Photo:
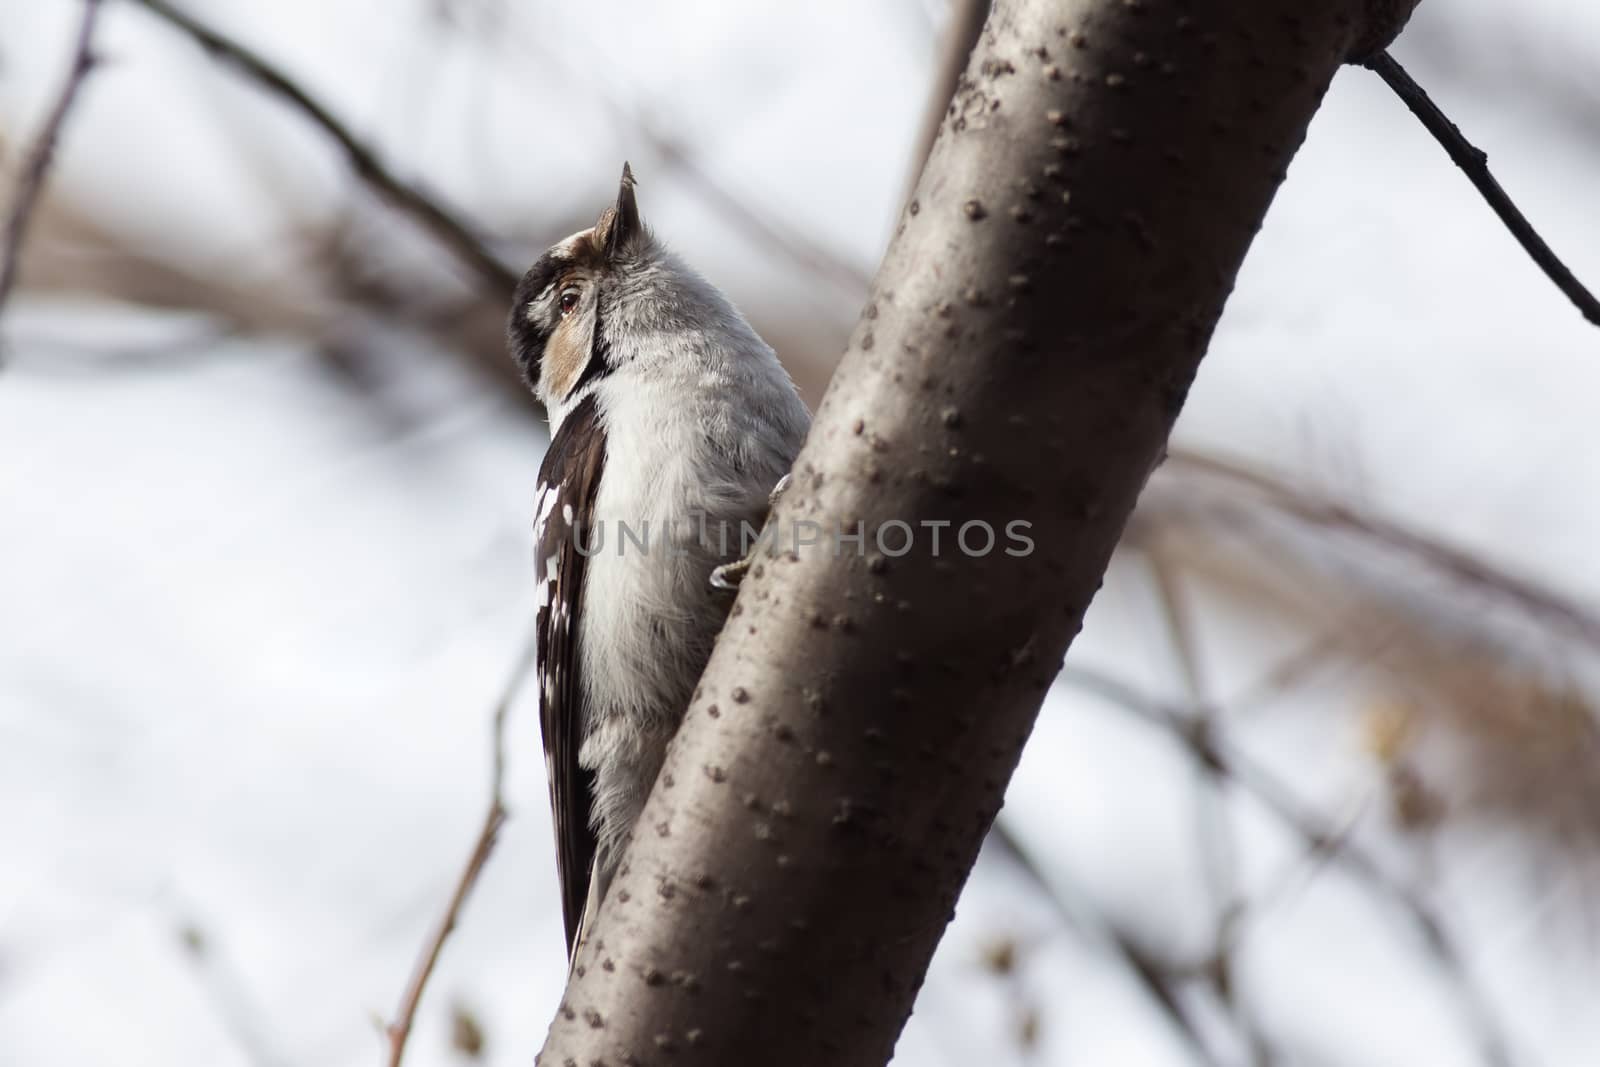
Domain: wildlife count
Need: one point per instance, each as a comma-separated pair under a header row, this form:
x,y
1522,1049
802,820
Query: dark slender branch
x,y
1475,164
31,181
399,1030
442,223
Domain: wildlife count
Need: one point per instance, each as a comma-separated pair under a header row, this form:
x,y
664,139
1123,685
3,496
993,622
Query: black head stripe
x,y
542,275
526,336
599,364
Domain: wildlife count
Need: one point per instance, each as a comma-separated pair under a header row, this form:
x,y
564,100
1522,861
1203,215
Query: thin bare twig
x,y
1570,616
1475,164
443,224
1209,748
1159,984
1216,831
399,1030
31,182
668,148
792,245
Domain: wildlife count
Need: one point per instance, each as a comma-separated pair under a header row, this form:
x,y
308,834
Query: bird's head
x,y
557,324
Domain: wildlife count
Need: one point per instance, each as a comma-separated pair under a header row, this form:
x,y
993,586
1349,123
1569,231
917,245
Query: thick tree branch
x,y
30,183
1474,163
443,224
1030,337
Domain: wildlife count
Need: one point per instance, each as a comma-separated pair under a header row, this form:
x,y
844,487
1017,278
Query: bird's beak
x,y
620,225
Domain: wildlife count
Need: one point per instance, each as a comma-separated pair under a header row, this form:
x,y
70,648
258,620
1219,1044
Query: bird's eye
x,y
569,300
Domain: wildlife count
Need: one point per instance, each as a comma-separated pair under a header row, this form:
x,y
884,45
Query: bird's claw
x,y
730,576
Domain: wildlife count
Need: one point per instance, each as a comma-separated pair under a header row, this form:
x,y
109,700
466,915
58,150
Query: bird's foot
x,y
729,576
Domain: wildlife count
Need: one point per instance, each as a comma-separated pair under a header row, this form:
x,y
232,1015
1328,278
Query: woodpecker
x,y
670,418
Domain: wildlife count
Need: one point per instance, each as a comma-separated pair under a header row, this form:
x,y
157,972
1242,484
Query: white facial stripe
x,y
568,245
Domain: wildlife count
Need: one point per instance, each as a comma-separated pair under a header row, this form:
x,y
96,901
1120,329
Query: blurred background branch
x,y
28,186
962,28
398,1031
424,208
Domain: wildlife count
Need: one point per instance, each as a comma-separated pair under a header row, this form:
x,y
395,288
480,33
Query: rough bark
x,y
1030,338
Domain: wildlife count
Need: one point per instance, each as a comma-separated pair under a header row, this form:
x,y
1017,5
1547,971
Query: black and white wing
x,y
569,478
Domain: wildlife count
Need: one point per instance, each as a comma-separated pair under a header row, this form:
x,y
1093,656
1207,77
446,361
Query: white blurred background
x,y
1320,785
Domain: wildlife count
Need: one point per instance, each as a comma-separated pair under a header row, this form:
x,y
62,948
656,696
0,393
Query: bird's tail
x,y
591,909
